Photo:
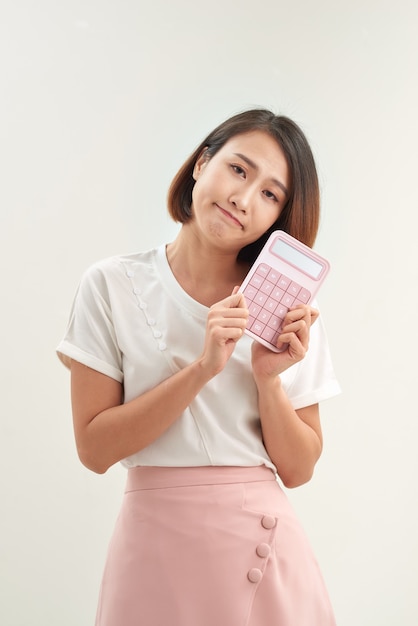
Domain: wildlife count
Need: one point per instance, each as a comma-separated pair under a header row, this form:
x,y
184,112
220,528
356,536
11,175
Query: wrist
x,y
201,371
272,381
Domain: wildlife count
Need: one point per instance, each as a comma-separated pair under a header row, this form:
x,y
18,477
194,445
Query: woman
x,y
207,422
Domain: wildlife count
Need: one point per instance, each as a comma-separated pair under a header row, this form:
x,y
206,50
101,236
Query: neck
x,y
205,272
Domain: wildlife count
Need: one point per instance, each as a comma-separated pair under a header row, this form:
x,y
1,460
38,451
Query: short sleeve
x,y
314,378
90,337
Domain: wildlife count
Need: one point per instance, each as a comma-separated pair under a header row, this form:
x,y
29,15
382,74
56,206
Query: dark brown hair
x,y
300,215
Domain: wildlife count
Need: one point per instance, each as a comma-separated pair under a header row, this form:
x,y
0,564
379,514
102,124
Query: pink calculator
x,y
285,273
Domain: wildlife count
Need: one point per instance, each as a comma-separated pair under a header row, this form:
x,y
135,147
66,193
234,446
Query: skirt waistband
x,y
163,477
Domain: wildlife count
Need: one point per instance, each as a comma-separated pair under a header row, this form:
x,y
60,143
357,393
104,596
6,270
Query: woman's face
x,y
240,192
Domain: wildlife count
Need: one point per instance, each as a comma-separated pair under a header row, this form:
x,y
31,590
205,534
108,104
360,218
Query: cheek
x,y
196,195
199,193
270,215
204,188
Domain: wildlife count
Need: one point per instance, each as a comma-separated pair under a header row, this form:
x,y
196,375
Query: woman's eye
x,y
271,195
238,170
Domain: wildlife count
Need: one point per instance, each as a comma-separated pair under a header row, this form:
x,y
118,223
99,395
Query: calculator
x,y
286,273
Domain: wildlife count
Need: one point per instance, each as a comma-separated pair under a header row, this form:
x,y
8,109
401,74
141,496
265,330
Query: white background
x,y
101,102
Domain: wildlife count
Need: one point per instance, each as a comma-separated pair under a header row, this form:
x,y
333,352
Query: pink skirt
x,y
210,546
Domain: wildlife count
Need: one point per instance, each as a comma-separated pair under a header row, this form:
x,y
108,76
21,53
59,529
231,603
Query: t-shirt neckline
x,y
174,287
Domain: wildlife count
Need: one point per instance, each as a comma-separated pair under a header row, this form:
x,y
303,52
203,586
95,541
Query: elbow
x,y
298,472
92,452
295,479
296,475
91,461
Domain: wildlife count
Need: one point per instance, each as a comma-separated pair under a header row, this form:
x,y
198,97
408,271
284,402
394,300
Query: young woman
x,y
206,421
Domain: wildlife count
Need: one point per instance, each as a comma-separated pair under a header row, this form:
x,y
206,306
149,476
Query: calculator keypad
x,y
269,295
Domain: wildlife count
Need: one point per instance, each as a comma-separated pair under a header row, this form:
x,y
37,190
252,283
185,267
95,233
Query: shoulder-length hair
x,y
300,216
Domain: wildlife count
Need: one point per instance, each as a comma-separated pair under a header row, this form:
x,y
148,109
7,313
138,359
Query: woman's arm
x,y
293,438
107,431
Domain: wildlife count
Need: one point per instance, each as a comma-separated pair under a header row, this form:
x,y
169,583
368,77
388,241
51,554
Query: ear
x,y
200,164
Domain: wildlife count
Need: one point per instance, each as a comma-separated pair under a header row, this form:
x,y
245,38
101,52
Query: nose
x,y
242,200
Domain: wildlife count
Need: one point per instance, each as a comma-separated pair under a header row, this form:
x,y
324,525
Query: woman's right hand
x,y
225,325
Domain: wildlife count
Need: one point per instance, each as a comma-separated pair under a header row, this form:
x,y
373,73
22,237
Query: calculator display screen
x,y
296,258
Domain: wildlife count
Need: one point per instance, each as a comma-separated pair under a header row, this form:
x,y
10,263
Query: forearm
x,y
107,430
120,430
293,439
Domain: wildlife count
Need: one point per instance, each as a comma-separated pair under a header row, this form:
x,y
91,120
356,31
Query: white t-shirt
x,y
132,321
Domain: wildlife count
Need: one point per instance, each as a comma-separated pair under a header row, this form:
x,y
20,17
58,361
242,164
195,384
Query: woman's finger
x,y
302,311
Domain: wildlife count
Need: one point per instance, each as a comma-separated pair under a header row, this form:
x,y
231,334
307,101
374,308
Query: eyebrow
x,y
254,166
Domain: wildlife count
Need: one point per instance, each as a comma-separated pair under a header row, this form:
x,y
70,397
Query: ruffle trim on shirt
x,y
157,333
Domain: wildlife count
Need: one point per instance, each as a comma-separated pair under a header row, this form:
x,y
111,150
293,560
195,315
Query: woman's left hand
x,y
294,339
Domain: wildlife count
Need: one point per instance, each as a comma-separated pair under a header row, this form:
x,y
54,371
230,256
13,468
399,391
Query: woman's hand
x,y
294,339
225,325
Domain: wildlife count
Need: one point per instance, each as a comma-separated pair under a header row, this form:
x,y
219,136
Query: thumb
x,y
239,301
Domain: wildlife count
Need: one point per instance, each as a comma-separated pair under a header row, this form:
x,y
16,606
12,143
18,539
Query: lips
x,y
230,216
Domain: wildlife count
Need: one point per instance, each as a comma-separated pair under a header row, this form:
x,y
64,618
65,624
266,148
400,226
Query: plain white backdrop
x,y
101,102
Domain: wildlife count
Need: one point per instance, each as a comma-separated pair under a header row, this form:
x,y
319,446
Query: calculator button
x,y
268,334
277,293
264,316
273,276
267,287
284,282
254,309
257,327
294,289
304,295
288,300
275,322
270,304
281,311
263,270
256,280
250,292
260,298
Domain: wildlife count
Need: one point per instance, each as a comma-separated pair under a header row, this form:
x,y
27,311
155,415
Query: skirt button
x,y
263,550
268,522
255,575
